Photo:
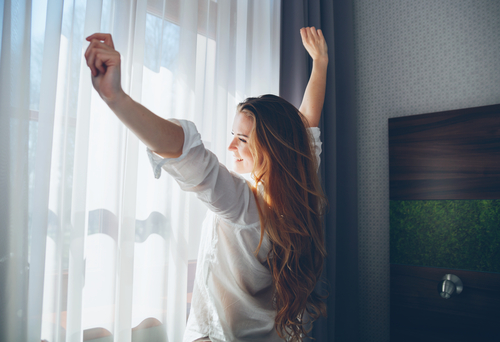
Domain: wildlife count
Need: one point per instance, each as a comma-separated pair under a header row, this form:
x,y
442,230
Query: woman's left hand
x,y
315,43
314,96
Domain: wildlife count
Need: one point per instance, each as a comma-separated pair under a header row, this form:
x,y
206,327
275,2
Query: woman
x,y
262,247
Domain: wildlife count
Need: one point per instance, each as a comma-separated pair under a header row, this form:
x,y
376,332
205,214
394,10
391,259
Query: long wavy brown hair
x,y
290,208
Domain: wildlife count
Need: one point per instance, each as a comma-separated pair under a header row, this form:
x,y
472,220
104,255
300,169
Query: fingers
x,y
91,54
99,56
100,63
89,57
314,42
104,37
311,34
303,33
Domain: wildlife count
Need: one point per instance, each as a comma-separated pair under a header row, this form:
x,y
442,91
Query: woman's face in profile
x,y
239,146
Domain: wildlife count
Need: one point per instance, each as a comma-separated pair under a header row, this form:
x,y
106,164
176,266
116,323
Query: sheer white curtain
x,y
92,245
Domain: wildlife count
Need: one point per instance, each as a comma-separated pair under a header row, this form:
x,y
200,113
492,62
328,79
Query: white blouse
x,y
232,295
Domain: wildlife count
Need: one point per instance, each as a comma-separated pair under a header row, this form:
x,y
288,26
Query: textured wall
x,y
411,57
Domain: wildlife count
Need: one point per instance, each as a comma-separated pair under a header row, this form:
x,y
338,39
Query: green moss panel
x,y
459,234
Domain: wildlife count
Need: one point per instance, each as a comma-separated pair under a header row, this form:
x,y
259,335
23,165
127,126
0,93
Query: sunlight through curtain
x,y
108,250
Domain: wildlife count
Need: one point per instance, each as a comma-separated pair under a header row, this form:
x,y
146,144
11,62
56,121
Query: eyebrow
x,y
239,134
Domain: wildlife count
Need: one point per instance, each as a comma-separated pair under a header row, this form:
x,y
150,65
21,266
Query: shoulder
x,y
241,210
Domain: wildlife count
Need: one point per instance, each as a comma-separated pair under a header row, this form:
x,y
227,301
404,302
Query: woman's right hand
x,y
161,136
104,63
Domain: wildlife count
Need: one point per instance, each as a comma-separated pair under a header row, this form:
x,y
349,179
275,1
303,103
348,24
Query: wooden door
x,y
445,219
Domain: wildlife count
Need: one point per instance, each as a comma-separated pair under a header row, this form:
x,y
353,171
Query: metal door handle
x,y
450,285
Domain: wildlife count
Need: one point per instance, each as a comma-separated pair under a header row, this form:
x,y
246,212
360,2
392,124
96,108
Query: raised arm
x,y
314,96
161,136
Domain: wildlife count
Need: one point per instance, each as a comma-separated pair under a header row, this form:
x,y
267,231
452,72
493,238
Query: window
x,y
118,247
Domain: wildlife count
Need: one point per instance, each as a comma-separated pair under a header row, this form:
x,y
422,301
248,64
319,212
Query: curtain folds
x,y
339,158
92,245
14,133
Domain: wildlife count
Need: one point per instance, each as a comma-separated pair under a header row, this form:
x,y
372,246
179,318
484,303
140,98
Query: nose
x,y
232,145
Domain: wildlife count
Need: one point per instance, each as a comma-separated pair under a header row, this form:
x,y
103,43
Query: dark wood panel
x,y
446,155
418,313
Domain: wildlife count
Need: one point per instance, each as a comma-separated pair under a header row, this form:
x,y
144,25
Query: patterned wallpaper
x,y
411,57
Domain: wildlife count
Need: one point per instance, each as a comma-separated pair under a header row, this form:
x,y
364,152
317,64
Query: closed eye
x,y
243,140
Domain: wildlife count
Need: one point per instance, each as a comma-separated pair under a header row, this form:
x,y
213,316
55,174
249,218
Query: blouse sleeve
x,y
198,170
315,133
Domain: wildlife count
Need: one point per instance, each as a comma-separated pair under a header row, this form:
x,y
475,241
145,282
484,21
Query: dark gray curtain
x,y
339,157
